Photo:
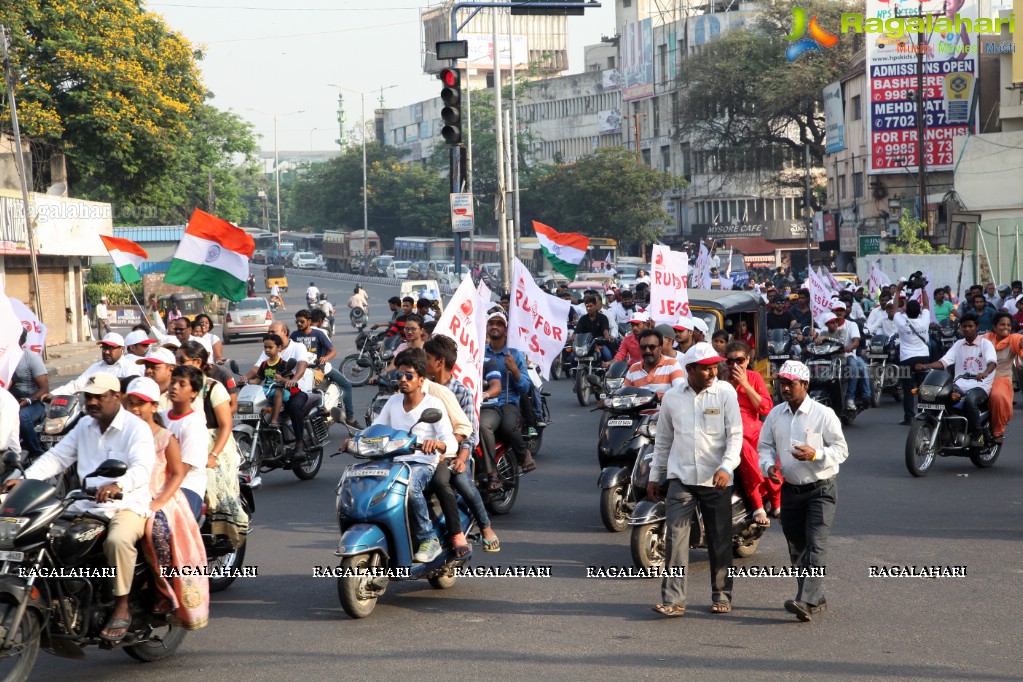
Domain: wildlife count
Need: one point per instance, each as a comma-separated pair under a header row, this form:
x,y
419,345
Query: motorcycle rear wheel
x,y
27,637
876,386
745,548
350,370
919,456
355,604
228,563
556,368
647,545
147,652
307,470
987,457
500,503
612,509
582,388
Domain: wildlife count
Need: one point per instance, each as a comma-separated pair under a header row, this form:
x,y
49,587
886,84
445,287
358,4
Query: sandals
x,y
491,545
760,518
529,464
721,607
494,484
115,624
669,610
462,551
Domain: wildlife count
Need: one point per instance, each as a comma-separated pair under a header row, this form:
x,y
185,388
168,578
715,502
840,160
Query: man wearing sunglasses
x,y
655,372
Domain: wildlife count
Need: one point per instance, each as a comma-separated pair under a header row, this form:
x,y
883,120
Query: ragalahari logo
x,y
818,36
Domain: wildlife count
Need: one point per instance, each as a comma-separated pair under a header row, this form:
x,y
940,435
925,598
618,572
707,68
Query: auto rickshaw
x,y
276,275
189,305
724,309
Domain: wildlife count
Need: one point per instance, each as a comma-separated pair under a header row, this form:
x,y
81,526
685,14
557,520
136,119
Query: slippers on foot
x,y
761,519
669,610
462,551
721,607
491,545
113,625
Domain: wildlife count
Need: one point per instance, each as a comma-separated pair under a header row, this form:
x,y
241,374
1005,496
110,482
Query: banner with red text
x,y
465,321
537,321
820,297
669,295
10,334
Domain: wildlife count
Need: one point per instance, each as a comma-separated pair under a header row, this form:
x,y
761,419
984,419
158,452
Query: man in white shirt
x,y
884,324
312,294
10,422
158,365
102,318
914,349
801,446
401,411
137,344
975,355
849,333
113,362
622,309
108,431
697,446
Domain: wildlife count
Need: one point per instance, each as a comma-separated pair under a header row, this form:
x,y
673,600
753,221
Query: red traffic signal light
x,y
451,114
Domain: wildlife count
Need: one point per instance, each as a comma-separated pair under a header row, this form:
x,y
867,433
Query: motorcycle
x,y
330,391
648,520
377,349
829,377
358,316
946,334
221,557
940,429
562,365
588,363
66,614
265,447
883,367
387,385
62,414
376,543
626,435
782,347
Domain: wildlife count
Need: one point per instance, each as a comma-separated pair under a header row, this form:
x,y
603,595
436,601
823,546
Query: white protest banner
x,y
832,282
484,292
669,295
820,299
878,279
465,321
929,288
36,339
10,334
700,278
537,322
726,282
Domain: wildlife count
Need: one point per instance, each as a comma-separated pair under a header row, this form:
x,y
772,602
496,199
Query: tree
x,y
610,194
909,239
108,84
740,91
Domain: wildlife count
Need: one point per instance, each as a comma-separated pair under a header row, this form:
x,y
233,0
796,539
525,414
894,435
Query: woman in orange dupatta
x,y
172,538
1007,347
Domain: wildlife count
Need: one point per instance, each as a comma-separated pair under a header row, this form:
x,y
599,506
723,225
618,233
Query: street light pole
x,y
277,186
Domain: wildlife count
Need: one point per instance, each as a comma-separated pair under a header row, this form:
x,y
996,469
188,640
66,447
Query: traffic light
x,y
451,114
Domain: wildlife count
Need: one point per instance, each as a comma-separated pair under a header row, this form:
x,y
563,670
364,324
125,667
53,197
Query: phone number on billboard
x,y
904,121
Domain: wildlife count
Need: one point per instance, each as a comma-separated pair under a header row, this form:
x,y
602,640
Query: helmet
x,y
323,297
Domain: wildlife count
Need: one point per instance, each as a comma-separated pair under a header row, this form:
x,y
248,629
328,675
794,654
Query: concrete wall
x,y
943,269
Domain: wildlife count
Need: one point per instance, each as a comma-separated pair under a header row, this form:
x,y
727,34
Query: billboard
x,y
481,51
637,58
892,84
834,118
609,121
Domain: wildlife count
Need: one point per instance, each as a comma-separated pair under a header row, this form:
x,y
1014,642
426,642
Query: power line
x,y
319,33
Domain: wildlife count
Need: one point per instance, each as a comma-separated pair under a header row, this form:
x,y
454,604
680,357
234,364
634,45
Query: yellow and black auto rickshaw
x,y
725,309
189,305
276,275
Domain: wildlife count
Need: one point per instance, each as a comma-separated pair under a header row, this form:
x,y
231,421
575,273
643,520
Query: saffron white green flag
x,y
565,250
127,256
213,256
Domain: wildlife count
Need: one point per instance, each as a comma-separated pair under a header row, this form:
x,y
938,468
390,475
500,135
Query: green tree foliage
x,y
909,239
610,194
108,84
101,273
740,91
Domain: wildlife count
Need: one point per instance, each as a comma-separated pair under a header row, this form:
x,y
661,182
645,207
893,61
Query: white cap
x,y
701,354
639,316
112,339
102,298
137,336
700,325
683,323
794,370
835,305
145,388
498,315
158,356
828,317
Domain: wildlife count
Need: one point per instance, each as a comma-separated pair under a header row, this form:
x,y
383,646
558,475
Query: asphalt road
x,y
287,625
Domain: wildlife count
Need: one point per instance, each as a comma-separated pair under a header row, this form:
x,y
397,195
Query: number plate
x,y
619,422
879,356
246,417
49,439
777,357
369,472
926,406
12,556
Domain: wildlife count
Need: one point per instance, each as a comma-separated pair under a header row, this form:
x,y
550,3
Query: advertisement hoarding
x,y
834,118
637,49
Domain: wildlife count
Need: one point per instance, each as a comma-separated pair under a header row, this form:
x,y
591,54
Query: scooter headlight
x,y
397,444
55,425
929,393
629,402
10,527
614,384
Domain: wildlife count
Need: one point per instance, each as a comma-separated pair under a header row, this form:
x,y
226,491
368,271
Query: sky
x,y
279,57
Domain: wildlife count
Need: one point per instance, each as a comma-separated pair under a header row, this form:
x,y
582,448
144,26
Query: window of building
x,y
858,185
646,156
666,158
841,187
662,60
610,62
626,3
857,111
656,105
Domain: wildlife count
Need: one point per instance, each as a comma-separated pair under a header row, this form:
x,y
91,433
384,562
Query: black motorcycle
x,y
626,436
587,363
782,347
941,430
829,377
66,614
222,558
387,385
945,334
376,349
883,367
563,364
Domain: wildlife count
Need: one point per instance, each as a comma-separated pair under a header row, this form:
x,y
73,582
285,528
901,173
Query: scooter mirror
x,y
110,468
12,459
233,364
431,416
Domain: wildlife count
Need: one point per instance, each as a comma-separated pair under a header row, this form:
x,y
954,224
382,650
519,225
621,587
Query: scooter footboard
x,y
362,538
647,511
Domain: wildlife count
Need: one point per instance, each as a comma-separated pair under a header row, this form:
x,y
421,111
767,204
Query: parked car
x,y
250,316
307,260
259,256
435,268
398,269
378,266
418,270
444,272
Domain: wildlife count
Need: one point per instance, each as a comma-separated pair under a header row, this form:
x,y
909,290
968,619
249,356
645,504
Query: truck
x,y
345,251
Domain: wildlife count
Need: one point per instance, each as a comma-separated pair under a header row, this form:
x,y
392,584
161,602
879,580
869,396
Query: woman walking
x,y
1008,347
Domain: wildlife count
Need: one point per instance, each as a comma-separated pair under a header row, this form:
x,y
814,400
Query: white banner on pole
x,y
10,334
465,321
820,299
36,339
537,322
669,294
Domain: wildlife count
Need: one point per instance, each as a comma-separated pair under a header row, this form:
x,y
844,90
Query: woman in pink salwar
x,y
172,539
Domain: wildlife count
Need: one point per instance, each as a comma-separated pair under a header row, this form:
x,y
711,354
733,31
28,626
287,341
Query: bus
x,y
346,251
602,249
264,240
481,250
304,241
424,248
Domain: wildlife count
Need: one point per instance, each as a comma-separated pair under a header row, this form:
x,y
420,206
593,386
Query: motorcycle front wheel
x,y
351,370
647,545
745,548
919,455
582,388
499,503
17,662
876,386
556,368
158,648
307,470
612,509
355,593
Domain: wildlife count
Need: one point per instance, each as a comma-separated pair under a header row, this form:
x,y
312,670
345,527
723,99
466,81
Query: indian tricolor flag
x,y
213,256
127,256
565,250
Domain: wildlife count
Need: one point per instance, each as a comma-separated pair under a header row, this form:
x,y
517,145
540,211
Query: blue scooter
x,y
372,513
